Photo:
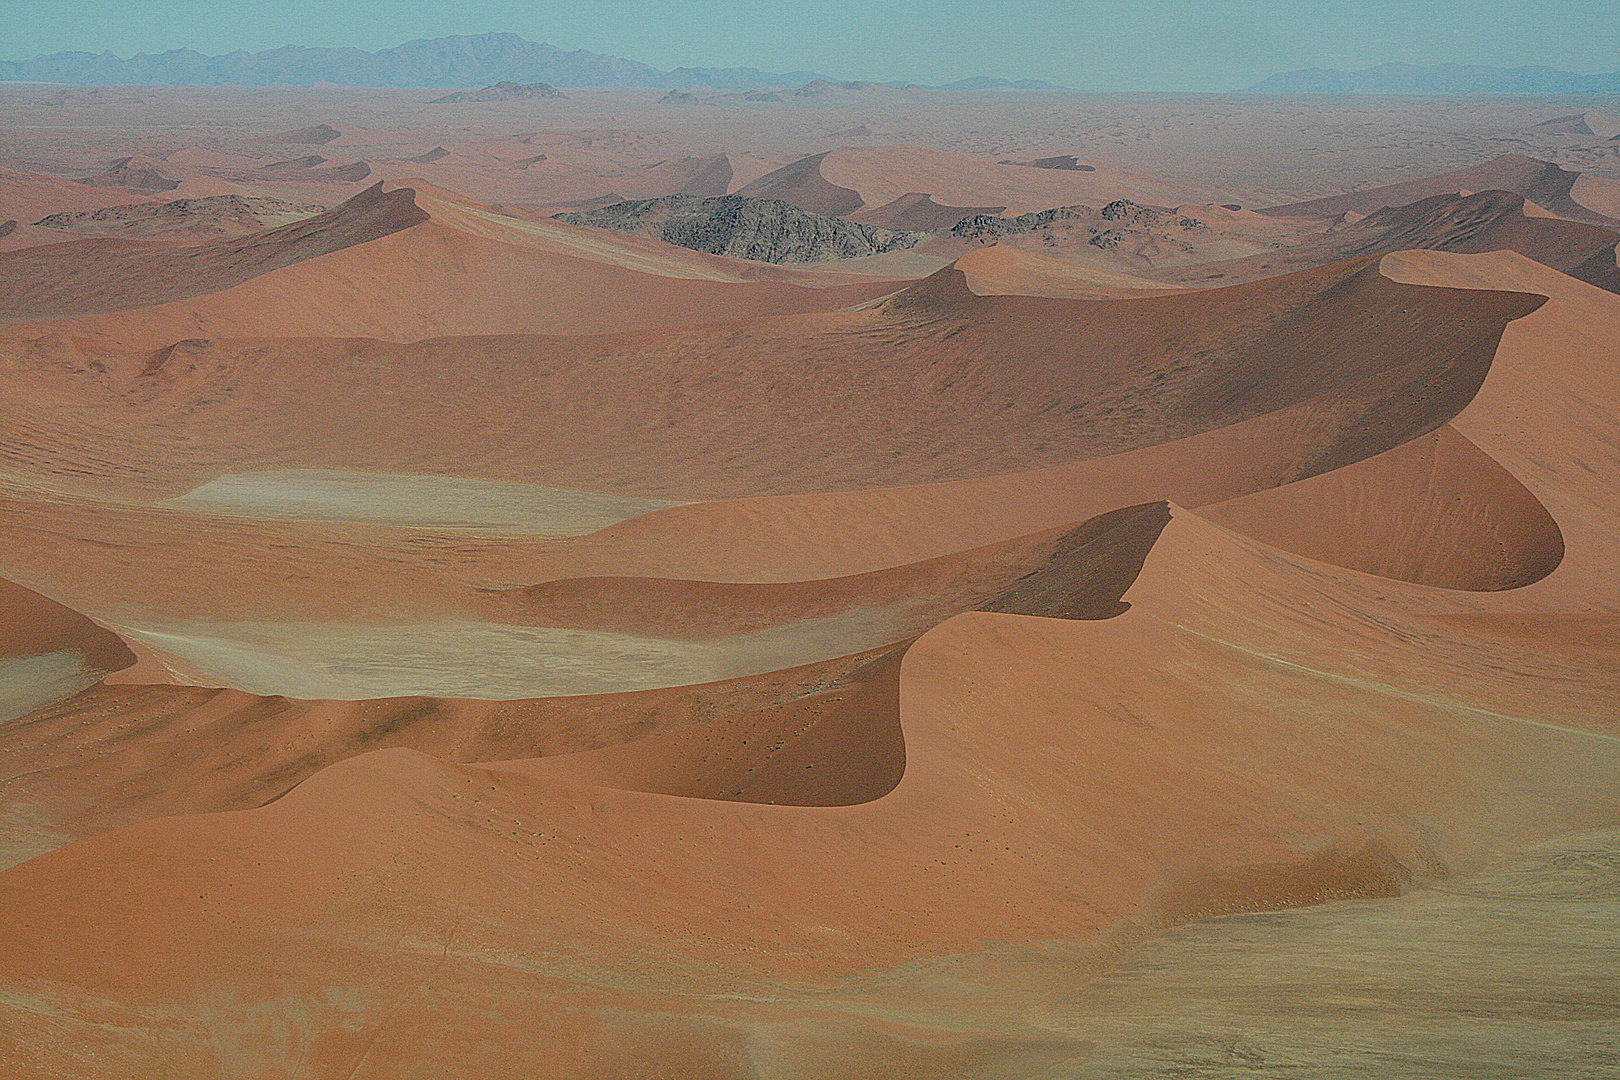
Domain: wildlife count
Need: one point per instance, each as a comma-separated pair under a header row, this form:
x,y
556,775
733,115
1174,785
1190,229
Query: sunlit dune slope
x,y
1061,779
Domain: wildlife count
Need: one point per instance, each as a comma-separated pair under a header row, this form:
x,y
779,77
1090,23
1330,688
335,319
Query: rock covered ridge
x,y
209,216
505,90
1106,224
744,227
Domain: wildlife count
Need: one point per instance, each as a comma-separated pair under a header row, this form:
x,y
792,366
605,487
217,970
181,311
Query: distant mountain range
x,y
1440,79
452,62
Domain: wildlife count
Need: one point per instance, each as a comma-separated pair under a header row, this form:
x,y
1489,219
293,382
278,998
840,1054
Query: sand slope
x,y
1085,617
1541,182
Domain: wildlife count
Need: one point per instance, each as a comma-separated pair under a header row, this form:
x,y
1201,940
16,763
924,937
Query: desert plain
x,y
872,582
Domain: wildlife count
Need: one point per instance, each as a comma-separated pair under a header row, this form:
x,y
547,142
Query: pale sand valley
x,y
855,582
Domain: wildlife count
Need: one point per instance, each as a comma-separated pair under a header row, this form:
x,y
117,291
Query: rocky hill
x,y
764,230
214,215
505,90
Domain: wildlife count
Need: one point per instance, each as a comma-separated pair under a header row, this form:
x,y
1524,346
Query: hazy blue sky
x,y
1132,44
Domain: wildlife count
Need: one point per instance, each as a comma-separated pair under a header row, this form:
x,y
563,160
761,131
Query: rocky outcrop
x,y
215,215
129,173
1067,162
764,230
1121,223
823,87
981,226
1133,213
678,97
502,91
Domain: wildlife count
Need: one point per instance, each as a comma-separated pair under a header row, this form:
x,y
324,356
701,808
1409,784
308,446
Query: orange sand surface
x,y
440,641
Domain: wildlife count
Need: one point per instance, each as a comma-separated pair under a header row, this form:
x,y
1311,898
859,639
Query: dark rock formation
x,y
126,172
764,230
1063,161
990,225
215,215
503,91
678,97
1134,213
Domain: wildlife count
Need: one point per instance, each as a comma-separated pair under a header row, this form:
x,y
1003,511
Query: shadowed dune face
x,y
1435,510
48,652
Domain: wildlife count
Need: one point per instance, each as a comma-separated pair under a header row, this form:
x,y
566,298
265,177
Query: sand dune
x,y
437,640
879,179
1541,182
383,266
1012,382
1472,224
88,276
759,540
1003,270
802,184
915,210
1469,777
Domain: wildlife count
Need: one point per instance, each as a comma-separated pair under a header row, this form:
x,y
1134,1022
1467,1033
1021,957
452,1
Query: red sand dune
x,y
586,583
803,185
915,210
417,665
1541,182
1171,718
382,266
1471,224
1010,382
